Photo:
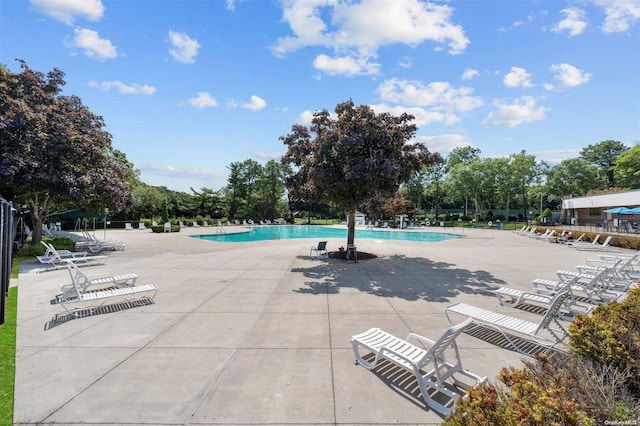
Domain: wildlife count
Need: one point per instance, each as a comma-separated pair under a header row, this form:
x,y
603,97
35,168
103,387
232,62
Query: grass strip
x,y
8,357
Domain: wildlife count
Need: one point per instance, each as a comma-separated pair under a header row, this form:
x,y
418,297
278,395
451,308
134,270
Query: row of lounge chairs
x,y
96,245
566,238
599,281
86,293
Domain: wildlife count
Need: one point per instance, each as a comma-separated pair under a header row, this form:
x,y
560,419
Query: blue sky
x,y
187,87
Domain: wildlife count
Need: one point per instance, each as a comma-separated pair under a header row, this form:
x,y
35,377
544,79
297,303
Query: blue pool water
x,y
282,232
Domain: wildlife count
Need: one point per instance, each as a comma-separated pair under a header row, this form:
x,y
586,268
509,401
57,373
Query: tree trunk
x,y
351,227
39,211
36,233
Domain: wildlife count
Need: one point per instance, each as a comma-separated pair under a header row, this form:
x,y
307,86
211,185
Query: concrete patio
x,y
259,333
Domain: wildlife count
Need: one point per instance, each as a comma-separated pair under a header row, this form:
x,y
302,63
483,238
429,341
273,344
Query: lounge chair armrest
x,y
420,338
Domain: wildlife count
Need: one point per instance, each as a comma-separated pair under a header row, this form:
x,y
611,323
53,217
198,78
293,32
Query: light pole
x,y
541,194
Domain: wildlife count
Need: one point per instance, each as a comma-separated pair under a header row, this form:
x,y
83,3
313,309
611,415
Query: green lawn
x,y
8,358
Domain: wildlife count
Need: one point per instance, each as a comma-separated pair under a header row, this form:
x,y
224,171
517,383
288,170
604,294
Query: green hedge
x,y
159,229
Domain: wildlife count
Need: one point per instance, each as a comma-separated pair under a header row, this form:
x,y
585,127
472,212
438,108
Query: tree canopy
x,y
54,149
604,155
349,158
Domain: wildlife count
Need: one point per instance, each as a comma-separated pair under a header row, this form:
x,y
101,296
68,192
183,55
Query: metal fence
x,y
7,237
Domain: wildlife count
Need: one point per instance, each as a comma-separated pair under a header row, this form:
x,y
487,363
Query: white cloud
x,y
176,175
263,155
440,95
125,89
519,23
423,117
517,77
256,103
569,76
358,30
557,155
574,21
523,110
443,144
92,45
203,100
469,74
346,65
620,14
231,5
304,119
67,11
406,62
184,48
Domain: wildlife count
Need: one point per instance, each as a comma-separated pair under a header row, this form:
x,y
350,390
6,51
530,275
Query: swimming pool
x,y
282,232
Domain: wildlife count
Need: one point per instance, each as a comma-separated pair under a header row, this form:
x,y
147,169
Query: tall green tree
x,y
573,176
458,182
251,175
208,202
604,155
54,149
234,191
348,158
271,190
526,172
627,168
434,175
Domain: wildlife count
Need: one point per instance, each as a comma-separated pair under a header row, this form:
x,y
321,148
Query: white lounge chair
x,y
574,241
47,231
96,245
320,249
76,301
167,227
546,333
608,259
576,244
142,226
196,224
514,298
430,366
102,280
521,230
51,254
594,286
57,259
547,234
596,247
530,231
128,226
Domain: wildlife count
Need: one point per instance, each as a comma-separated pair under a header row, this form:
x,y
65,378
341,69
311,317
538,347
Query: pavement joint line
x,y
207,389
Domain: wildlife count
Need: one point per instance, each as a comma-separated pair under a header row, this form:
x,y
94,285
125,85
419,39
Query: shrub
x,y
29,250
60,243
521,399
159,229
611,335
598,381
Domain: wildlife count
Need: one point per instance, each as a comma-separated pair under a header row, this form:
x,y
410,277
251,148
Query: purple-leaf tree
x,y
348,158
53,149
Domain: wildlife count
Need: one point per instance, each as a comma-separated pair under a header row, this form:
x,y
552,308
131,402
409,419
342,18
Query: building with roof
x,y
589,210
